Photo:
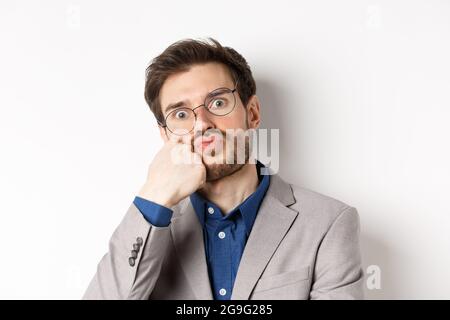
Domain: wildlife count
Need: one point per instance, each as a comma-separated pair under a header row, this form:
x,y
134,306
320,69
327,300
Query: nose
x,y
203,122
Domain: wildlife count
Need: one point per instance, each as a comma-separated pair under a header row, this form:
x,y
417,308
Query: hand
x,y
175,172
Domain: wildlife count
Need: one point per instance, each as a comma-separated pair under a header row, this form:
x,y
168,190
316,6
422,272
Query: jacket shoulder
x,y
318,206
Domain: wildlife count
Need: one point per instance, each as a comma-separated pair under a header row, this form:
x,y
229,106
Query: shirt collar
x,y
248,208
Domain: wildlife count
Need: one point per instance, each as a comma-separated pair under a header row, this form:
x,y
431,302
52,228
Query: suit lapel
x,y
272,222
188,240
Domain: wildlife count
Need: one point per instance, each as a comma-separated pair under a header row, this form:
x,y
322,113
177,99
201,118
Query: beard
x,y
216,171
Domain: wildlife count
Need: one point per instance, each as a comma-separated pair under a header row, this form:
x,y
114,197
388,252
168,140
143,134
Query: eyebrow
x,y
178,104
174,106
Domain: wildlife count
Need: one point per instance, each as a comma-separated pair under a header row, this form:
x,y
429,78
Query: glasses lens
x,y
221,102
180,121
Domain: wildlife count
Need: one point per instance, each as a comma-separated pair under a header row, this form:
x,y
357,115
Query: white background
x,y
359,89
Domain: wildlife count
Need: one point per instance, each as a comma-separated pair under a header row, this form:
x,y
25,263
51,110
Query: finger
x,y
197,158
182,139
173,138
186,139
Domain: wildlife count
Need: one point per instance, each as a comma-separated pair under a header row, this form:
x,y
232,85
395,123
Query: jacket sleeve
x,y
338,271
133,263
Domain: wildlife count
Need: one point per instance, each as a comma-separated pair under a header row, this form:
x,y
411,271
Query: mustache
x,y
207,133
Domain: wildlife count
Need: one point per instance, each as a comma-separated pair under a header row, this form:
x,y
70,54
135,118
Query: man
x,y
205,228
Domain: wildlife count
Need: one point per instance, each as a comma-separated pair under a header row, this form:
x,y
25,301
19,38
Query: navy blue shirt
x,y
225,235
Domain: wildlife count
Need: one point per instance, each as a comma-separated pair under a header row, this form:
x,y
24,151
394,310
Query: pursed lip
x,y
202,142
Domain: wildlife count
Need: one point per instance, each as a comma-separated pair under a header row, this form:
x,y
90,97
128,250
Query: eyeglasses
x,y
219,102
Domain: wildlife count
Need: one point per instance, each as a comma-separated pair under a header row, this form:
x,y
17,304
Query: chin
x,y
217,166
216,171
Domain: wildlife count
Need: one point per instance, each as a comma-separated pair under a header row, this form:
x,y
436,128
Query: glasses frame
x,y
164,124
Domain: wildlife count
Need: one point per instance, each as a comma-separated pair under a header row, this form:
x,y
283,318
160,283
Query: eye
x,y
218,103
181,114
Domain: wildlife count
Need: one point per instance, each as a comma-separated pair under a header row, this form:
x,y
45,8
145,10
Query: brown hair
x,y
181,55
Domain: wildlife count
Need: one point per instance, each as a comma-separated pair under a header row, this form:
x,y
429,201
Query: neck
x,y
230,191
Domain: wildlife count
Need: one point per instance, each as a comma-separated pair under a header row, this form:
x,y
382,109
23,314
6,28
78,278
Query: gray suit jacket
x,y
303,245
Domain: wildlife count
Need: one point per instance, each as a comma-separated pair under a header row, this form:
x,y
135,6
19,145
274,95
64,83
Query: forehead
x,y
193,85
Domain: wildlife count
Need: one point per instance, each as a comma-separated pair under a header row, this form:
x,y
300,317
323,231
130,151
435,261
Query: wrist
x,y
155,196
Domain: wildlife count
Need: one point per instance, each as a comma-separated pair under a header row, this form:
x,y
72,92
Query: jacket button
x,y
139,241
131,261
136,246
134,254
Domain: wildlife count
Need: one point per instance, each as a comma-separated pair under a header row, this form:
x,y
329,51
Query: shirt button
x,y
211,210
222,292
221,234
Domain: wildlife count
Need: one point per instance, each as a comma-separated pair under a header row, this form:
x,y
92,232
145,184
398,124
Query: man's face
x,y
220,157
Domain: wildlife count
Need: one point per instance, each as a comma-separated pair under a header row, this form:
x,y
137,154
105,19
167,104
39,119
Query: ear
x,y
253,112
